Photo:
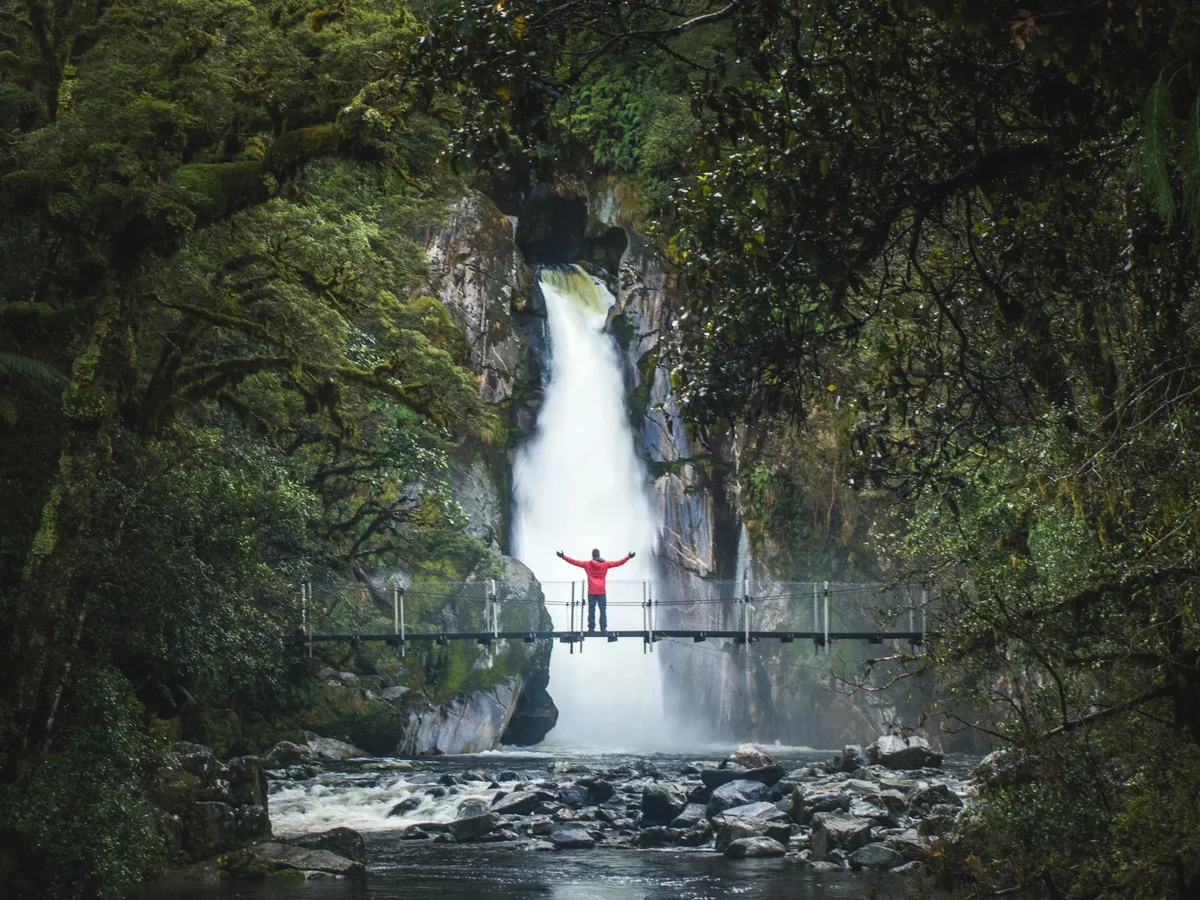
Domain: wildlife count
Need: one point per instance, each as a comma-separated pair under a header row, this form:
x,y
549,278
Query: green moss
x,y
215,189
245,866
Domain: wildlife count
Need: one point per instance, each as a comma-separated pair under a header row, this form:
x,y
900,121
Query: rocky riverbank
x,y
879,808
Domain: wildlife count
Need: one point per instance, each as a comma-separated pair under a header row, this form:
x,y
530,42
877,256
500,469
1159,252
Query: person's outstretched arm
x,y
612,564
574,562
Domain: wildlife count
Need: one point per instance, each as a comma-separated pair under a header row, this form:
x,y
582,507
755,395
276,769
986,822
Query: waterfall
x,y
578,484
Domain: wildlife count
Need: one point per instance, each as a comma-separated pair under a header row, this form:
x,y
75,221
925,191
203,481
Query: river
x,y
360,793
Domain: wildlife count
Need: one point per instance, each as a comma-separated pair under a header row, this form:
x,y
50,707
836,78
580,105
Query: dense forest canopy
x,y
958,240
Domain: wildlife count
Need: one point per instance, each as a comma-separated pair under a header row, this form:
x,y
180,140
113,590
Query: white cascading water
x,y
578,484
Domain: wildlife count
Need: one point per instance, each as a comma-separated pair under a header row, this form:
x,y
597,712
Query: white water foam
x,y
579,484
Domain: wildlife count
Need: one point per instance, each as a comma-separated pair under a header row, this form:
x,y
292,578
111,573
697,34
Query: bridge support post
x,y
495,611
746,610
826,617
403,645
816,612
645,619
395,609
573,614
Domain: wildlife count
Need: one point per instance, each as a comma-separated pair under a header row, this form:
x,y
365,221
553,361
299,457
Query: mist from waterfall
x,y
578,484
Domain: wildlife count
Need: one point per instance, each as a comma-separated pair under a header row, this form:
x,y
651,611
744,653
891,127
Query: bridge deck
x,y
648,611
569,637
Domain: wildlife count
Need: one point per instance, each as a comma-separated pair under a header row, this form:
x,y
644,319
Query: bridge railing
x,y
488,607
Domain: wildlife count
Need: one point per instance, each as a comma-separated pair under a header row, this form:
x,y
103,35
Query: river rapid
x,y
360,794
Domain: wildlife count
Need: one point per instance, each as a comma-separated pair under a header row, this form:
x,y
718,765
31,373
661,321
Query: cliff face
x,y
482,279
788,693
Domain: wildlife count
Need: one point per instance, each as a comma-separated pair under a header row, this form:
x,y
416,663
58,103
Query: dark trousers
x,y
595,600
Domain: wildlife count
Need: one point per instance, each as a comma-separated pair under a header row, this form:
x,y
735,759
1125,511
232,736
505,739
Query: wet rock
x,y
573,795
518,803
264,860
566,767
692,814
195,759
697,766
475,775
325,749
344,842
714,778
473,806
835,831
541,826
571,836
662,802
807,800
894,752
283,754
852,758
471,827
598,789
415,834
502,835
910,844
444,838
750,756
926,796
736,793
1003,768
541,845
875,856
823,866
748,847
252,822
910,869
508,775
778,824
657,836
449,780
696,835
407,805
737,829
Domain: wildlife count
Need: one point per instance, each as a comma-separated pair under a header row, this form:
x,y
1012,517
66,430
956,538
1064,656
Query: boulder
x,y
927,795
1003,768
852,758
910,844
895,752
750,756
252,823
735,793
692,814
714,778
518,803
662,802
471,827
657,836
407,805
195,759
264,860
566,767
344,842
807,800
472,806
875,856
508,775
598,790
698,834
748,847
325,749
777,823
835,831
573,795
736,829
571,836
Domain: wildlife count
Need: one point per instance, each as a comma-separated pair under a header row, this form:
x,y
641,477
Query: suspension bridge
x,y
487,611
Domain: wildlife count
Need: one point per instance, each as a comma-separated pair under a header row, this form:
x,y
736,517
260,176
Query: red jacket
x,y
597,569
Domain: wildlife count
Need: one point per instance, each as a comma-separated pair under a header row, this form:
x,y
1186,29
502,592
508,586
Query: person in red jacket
x,y
597,570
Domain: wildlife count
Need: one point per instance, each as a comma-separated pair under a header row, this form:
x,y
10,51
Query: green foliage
x,y
79,827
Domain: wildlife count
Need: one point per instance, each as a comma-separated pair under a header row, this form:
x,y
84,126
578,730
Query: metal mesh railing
x,y
481,608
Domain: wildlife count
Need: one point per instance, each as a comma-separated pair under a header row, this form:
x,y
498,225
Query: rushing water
x,y
361,792
579,484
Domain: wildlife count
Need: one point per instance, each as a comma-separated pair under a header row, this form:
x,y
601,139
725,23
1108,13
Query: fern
x,y
1189,165
1156,129
40,375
